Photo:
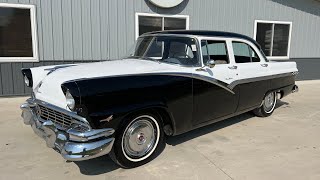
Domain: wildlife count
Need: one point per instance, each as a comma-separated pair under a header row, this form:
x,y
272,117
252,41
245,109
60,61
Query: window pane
x,y
263,37
218,52
280,40
174,23
155,49
181,51
254,55
142,46
15,33
149,24
243,53
204,50
173,50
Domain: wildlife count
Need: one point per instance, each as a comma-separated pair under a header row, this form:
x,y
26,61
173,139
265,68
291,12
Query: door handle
x,y
264,65
233,67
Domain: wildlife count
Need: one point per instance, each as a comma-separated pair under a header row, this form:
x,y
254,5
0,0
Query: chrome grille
x,y
61,120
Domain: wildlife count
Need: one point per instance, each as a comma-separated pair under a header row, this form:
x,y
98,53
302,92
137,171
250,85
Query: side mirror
x,y
211,63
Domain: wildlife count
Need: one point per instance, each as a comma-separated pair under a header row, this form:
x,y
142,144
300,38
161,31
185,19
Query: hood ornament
x,y
51,70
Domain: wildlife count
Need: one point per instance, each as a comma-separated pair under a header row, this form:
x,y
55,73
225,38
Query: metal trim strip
x,y
249,80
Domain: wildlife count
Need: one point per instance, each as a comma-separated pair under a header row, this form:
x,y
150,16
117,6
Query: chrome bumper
x,y
71,144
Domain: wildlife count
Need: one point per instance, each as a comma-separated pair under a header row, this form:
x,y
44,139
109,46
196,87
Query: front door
x,y
212,98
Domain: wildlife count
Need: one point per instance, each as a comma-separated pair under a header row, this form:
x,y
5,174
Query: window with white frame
x,y
155,22
17,32
274,38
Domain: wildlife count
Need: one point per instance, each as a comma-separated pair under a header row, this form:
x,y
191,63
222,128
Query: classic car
x,y
172,82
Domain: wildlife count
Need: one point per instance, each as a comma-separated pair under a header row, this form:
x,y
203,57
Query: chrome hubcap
x,y
269,101
139,138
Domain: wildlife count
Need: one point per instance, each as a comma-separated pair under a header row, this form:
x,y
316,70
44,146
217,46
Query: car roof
x,y
206,33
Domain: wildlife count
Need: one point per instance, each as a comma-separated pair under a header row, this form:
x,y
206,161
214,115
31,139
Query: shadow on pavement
x,y
175,140
97,166
104,164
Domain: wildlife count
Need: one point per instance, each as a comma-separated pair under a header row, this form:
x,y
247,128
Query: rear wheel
x,y
138,141
268,104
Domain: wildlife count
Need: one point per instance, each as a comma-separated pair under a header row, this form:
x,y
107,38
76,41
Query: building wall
x,y
83,30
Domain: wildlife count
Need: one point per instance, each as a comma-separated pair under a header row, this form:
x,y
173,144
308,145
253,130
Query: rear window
x,y
243,53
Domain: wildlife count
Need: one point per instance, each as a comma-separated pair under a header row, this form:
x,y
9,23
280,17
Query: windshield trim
x,y
170,35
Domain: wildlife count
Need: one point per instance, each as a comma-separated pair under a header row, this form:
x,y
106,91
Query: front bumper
x,y
72,144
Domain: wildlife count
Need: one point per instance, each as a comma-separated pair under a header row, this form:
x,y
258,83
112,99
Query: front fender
x,y
119,96
114,117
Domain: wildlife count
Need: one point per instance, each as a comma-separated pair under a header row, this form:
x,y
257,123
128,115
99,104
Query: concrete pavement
x,y
283,146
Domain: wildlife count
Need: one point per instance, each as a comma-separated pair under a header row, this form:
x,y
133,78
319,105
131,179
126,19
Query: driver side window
x,y
214,50
180,49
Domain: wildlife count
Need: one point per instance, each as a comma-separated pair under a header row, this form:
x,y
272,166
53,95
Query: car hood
x,y
53,76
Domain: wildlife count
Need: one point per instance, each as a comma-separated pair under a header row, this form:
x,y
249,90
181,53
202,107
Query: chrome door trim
x,y
248,80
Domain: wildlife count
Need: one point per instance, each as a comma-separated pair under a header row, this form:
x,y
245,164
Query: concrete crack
x,y
214,164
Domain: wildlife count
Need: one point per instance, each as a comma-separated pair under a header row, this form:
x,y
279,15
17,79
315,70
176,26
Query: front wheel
x,y
138,140
268,104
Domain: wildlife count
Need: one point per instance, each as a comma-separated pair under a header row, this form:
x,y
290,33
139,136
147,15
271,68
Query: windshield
x,y
167,49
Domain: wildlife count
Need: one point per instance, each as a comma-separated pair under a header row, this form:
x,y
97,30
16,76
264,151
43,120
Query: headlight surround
x,y
70,100
26,81
27,77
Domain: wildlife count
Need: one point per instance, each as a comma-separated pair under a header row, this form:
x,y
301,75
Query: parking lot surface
x,y
283,146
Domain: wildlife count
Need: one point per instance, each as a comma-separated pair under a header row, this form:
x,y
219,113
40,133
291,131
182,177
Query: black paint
x,y
189,102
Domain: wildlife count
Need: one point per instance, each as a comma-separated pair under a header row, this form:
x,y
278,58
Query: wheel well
x,y
168,124
281,94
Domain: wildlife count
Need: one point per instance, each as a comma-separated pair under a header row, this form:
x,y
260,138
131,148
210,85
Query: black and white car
x,y
173,82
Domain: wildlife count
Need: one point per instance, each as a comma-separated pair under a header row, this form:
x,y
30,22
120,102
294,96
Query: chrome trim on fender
x,y
71,144
249,80
196,76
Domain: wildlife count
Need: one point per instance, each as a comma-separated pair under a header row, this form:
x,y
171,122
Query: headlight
x,y
27,77
70,101
26,81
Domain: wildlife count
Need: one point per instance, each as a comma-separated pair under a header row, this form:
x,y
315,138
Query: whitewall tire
x,y
268,105
138,140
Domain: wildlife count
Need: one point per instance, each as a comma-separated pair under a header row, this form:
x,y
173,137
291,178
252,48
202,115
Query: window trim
x,y
186,17
249,46
225,44
289,39
35,57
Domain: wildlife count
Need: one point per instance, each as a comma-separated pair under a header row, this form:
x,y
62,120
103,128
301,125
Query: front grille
x,y
61,120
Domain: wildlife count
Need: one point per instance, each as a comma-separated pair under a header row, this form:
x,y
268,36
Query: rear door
x,y
253,71
212,98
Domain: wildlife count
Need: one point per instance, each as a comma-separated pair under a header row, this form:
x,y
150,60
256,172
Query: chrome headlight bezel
x,y
71,103
26,81
27,77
